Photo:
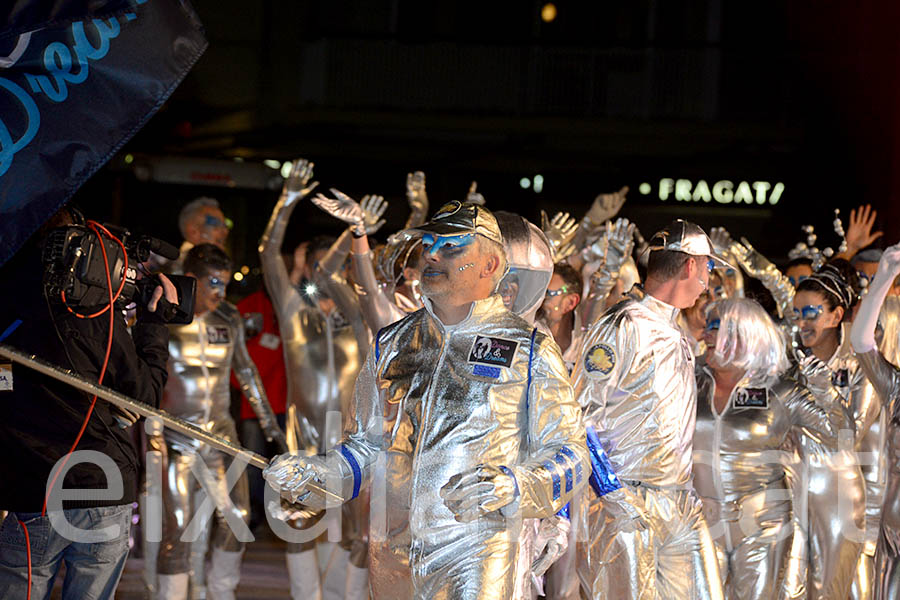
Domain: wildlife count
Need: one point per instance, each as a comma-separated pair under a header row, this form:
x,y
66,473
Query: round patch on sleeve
x,y
600,359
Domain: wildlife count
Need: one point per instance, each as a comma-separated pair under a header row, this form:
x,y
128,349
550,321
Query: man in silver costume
x,y
746,409
324,341
202,356
646,535
885,377
464,416
201,221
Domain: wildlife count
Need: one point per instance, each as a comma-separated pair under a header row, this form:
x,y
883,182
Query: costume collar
x,y
654,305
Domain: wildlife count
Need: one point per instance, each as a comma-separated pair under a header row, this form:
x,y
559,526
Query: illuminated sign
x,y
721,192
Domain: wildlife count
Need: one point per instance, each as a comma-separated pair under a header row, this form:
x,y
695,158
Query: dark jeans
x,y
93,568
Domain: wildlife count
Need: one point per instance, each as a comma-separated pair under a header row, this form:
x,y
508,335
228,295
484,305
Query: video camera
x,y
76,273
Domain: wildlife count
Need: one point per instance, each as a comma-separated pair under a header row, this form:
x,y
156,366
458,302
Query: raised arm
x,y
275,274
884,376
759,267
619,242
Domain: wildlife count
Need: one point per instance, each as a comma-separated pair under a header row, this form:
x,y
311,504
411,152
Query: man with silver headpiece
x,y
464,416
645,533
202,355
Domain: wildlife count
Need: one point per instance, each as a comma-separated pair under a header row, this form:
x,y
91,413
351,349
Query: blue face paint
x,y
446,245
214,222
808,312
713,324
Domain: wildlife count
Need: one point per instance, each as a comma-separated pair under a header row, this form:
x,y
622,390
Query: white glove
x,y
479,491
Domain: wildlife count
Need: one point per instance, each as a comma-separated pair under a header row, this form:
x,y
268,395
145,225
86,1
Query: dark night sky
x,y
608,94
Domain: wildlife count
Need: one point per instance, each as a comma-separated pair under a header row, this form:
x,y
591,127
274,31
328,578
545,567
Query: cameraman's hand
x,y
168,288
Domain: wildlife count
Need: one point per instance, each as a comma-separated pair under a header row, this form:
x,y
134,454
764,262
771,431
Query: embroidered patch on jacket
x,y
752,398
495,352
218,334
486,371
841,378
601,358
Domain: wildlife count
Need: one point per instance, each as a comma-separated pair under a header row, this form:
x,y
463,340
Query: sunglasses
x,y
215,282
808,312
214,222
557,292
713,324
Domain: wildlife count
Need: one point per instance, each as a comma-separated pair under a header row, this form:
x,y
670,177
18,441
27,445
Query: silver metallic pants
x,y
836,511
753,539
182,496
665,553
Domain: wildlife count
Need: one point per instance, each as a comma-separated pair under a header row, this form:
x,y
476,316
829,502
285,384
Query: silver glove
x,y
560,232
291,475
606,206
124,418
362,218
815,373
417,198
552,542
721,240
473,196
373,207
297,185
283,510
479,491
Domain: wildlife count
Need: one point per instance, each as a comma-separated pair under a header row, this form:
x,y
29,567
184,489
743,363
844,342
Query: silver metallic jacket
x,y
885,378
635,383
202,356
647,418
323,353
739,472
431,408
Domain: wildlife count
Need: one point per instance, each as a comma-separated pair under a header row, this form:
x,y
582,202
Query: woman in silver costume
x,y
827,303
202,356
324,341
885,377
746,409
844,498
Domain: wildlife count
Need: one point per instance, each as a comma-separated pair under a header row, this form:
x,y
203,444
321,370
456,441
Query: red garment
x,y
269,360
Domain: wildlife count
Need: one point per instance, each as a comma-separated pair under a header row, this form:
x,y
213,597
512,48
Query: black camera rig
x,y
76,273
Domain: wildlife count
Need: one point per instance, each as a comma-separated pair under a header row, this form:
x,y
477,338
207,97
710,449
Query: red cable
x,y
94,227
28,556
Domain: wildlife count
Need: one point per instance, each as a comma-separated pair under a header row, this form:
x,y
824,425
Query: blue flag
x,y
76,85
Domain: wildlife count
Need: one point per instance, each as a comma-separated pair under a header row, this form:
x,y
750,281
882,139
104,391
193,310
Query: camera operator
x,y
42,420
